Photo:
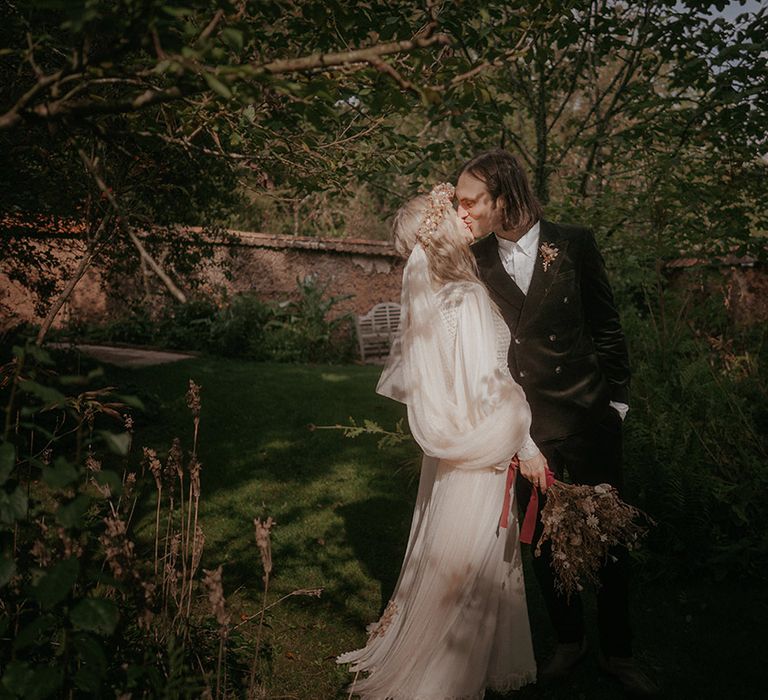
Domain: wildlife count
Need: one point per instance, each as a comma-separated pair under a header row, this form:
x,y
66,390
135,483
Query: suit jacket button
x,y
522,373
558,369
517,341
565,300
553,337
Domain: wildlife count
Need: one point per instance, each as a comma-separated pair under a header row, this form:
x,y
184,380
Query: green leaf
x,y
13,506
42,356
7,461
48,395
109,478
95,615
232,38
32,633
48,679
7,570
179,12
96,372
57,583
217,86
71,514
119,443
130,400
17,679
93,663
61,474
73,380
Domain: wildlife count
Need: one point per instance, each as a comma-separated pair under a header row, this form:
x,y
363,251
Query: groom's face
x,y
477,209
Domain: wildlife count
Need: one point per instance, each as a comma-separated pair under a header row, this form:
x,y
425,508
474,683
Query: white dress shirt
x,y
519,259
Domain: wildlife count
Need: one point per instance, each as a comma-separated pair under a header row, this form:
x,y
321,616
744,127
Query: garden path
x,y
128,356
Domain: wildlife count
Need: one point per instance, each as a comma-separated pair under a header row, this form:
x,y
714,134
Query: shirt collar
x,y
527,243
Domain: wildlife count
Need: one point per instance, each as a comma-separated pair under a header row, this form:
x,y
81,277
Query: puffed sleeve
x,y
462,407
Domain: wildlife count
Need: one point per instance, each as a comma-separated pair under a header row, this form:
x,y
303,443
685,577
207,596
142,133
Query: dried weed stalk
x,y
151,461
215,588
262,532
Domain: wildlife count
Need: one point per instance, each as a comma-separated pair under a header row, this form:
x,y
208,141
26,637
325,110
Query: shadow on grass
x,y
377,529
343,512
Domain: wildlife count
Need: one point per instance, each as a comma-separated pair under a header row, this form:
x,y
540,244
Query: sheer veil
x,y
462,407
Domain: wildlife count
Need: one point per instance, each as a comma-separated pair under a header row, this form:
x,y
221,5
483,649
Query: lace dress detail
x,y
450,300
457,622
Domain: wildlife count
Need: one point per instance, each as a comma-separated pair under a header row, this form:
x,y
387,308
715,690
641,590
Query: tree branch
x,y
60,109
389,70
211,26
332,60
82,266
167,281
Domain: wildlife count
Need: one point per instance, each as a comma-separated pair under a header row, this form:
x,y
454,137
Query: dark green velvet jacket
x,y
568,350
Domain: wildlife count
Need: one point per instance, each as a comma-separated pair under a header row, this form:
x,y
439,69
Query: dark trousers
x,y
591,457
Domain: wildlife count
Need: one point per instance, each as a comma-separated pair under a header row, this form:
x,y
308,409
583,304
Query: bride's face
x,y
462,232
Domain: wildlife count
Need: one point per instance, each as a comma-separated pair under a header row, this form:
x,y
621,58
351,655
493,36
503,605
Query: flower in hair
x,y
440,203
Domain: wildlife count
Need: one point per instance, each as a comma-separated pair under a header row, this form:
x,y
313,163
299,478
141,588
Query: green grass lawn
x,y
343,512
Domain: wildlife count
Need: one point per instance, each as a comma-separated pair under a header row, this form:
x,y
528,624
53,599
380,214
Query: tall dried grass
x,y
172,582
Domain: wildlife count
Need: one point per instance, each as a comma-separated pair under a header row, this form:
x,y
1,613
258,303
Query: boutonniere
x,y
548,254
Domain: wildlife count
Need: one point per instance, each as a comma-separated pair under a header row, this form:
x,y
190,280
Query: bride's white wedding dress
x,y
457,621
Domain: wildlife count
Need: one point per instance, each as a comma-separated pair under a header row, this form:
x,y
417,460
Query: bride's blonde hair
x,y
449,257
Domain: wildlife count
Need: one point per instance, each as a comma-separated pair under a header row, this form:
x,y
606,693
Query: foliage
x,y
344,512
64,613
388,438
238,327
86,609
302,329
128,115
696,447
643,120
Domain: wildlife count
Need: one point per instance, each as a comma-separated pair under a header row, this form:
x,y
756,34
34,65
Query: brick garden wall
x,y
369,271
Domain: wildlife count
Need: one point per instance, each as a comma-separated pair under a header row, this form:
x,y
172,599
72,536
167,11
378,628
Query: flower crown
x,y
440,203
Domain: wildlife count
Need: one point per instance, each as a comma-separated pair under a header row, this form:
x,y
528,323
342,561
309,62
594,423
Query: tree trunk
x,y
541,170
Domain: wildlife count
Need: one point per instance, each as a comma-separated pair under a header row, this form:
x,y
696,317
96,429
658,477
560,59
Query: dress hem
x,y
499,685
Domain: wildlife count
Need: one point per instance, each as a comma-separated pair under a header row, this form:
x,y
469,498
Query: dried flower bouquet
x,y
581,524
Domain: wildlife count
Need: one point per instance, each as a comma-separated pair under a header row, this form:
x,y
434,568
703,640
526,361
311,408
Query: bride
x,y
457,621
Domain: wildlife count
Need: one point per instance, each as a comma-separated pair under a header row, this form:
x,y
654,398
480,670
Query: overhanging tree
x,y
152,114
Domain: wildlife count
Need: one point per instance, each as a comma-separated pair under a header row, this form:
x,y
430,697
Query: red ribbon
x,y
529,522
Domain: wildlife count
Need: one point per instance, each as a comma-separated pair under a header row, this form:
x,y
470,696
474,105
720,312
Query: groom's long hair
x,y
506,180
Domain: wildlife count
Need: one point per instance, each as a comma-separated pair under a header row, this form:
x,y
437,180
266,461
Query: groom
x,y
569,354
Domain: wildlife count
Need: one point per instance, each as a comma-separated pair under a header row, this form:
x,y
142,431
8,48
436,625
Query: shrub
x,y
186,326
696,447
237,330
87,609
298,330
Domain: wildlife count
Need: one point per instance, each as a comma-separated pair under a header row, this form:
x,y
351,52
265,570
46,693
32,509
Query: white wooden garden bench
x,y
376,330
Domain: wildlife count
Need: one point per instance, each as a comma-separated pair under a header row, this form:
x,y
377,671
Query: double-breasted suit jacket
x,y
568,350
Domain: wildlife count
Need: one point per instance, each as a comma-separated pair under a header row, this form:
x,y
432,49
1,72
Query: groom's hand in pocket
x,y
535,470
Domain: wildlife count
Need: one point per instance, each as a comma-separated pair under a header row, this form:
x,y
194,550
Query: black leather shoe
x,y
566,656
634,681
